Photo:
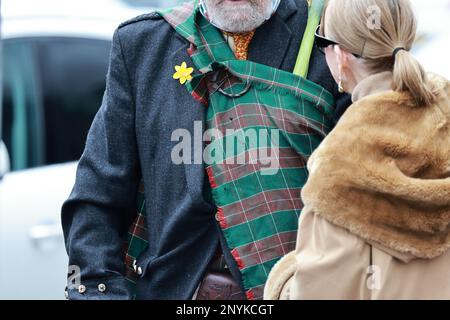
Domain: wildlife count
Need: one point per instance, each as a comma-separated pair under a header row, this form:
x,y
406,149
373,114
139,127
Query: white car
x,y
55,56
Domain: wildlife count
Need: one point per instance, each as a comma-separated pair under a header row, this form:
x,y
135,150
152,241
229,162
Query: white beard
x,y
242,17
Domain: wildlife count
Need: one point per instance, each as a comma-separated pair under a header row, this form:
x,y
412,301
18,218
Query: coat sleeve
x,y
102,205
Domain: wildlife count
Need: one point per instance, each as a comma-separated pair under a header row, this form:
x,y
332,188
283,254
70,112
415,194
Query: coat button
x,y
102,287
81,289
139,271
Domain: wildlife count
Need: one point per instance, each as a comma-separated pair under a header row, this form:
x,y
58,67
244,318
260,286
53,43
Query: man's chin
x,y
237,16
238,25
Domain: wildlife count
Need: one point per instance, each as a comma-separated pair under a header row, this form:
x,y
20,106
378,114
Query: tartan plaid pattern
x,y
258,213
136,240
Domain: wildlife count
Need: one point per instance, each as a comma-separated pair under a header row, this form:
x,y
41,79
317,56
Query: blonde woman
x,y
376,221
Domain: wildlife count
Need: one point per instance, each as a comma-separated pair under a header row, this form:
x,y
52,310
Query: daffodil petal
x,y
183,73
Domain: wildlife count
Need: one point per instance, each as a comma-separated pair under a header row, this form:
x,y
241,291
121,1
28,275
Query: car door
x,y
53,87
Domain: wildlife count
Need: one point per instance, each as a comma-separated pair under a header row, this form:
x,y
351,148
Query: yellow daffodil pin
x,y
183,73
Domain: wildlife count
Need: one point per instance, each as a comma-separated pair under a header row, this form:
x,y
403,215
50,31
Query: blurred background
x,y
54,61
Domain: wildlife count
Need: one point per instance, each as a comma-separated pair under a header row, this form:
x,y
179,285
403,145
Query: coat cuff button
x,y
137,270
102,287
81,289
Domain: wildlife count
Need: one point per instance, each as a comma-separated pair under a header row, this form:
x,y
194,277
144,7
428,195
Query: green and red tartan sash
x,y
258,209
137,241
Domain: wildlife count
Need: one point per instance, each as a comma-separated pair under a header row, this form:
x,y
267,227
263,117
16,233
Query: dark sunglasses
x,y
321,42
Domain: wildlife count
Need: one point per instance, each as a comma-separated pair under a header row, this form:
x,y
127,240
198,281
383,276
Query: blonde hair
x,y
373,29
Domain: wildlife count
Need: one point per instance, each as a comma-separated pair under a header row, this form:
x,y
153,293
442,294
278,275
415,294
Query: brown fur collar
x,y
384,173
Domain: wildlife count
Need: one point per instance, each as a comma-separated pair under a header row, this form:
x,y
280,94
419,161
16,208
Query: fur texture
x,y
281,273
384,172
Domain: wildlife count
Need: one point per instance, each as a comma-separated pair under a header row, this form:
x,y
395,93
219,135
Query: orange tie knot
x,y
241,43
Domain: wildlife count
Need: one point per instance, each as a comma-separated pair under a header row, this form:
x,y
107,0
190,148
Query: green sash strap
x,y
267,122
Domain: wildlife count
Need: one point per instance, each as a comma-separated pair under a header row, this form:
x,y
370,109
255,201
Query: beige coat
x,y
376,222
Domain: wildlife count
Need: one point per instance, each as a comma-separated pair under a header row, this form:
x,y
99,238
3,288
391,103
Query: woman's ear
x,y
341,59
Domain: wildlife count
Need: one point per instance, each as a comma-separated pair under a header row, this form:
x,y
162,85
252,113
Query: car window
x,y
21,102
53,88
73,78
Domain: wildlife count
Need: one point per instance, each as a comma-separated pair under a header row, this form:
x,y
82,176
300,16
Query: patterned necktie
x,y
241,43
